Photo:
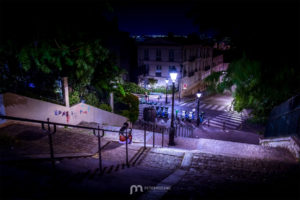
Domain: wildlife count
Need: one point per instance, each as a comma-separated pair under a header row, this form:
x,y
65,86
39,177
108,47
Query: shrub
x,y
92,100
105,106
74,97
133,88
163,90
133,107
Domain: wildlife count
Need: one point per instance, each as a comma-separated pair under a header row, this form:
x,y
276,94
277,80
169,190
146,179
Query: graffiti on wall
x,y
65,114
84,109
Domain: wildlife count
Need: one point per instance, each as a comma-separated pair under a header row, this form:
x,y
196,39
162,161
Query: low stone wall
x,y
25,107
291,143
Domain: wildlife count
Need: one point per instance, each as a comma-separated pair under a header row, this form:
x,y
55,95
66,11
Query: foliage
x,y
133,88
260,86
74,98
162,90
212,82
105,106
92,99
152,81
132,112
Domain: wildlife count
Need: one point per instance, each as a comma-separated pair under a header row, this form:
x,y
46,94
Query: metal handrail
x,y
53,123
98,129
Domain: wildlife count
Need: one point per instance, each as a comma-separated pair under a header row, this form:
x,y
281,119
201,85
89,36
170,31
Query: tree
x,y
260,85
152,82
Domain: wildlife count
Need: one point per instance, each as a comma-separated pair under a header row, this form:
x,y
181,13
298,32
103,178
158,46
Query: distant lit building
x,y
193,62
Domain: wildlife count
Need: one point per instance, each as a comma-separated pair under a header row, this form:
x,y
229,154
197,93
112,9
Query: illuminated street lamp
x,y
198,96
167,81
173,76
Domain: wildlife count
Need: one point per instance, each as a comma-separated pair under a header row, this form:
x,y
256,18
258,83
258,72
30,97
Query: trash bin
x,y
149,114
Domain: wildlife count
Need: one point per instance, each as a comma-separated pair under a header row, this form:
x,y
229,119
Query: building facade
x,y
193,62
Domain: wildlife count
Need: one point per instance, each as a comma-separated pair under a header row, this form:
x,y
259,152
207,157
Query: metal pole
x,y
153,136
144,136
167,93
198,117
162,137
51,145
99,151
127,163
171,133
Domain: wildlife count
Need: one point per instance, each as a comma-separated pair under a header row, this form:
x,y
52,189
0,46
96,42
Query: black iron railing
x,y
98,132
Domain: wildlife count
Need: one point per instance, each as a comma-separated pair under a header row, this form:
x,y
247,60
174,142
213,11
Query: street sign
x,y
184,86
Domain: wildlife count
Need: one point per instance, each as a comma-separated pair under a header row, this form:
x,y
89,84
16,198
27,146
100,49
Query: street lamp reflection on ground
x,y
198,96
167,81
173,76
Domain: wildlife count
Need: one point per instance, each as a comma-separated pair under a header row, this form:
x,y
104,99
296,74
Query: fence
x,y
98,132
180,129
285,119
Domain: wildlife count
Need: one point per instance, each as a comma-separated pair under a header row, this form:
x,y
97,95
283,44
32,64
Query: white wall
x,y
25,107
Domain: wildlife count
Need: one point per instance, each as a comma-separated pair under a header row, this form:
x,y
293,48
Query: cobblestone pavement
x,y
222,177
216,169
29,140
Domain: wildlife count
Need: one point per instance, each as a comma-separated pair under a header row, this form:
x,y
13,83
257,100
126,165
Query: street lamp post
x,y
198,96
172,129
167,81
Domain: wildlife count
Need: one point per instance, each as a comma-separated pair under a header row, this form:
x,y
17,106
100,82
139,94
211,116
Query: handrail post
x,y
162,137
99,150
144,135
153,135
51,145
127,163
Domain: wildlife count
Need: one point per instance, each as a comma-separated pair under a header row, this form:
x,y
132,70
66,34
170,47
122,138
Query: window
x,y
206,68
158,74
158,71
171,55
172,68
146,54
158,54
146,70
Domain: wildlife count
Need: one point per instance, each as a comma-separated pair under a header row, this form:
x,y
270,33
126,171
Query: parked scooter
x,y
183,115
157,111
166,112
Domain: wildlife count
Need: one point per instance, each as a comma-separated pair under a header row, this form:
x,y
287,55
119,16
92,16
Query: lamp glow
x,y
167,81
173,76
198,94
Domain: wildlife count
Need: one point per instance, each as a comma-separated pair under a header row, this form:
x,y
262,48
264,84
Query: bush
x,y
105,106
162,90
92,100
74,98
133,107
133,88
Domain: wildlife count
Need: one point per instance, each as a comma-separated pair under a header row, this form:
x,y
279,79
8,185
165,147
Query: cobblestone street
x,y
193,169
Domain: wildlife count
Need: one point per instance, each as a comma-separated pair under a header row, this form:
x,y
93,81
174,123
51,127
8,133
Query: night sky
x,y
251,24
